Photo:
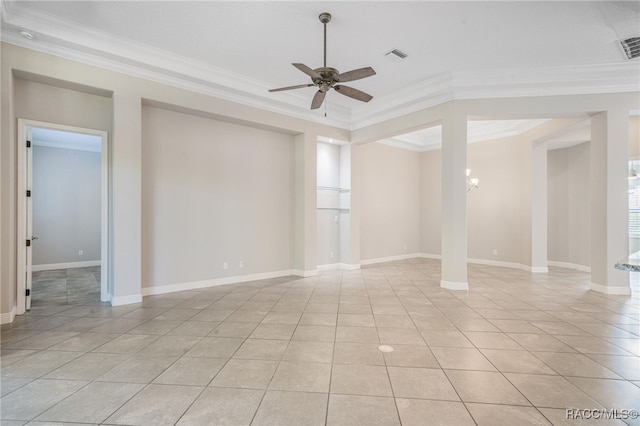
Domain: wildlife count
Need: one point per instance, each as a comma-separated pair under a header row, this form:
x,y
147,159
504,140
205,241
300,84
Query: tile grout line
x,y
266,389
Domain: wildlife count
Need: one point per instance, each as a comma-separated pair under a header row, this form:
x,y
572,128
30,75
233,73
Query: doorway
x,y
63,220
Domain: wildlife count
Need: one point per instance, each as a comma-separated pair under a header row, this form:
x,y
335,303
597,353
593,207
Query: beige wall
x,y
634,137
493,210
430,202
558,204
390,202
213,192
66,205
568,216
44,102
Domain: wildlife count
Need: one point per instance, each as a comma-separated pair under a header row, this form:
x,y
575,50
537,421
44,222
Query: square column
x,y
350,252
609,201
454,202
126,189
305,203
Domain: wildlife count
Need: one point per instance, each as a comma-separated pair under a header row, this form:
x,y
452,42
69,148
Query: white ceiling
x,y
237,50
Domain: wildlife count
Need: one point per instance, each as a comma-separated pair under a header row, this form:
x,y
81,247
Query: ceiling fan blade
x,y
308,71
318,99
355,74
299,86
353,93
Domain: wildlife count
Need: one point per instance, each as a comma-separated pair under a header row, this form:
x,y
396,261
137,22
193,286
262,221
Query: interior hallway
x,y
518,348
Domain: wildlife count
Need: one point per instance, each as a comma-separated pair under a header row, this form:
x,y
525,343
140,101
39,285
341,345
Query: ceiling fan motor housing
x,y
329,77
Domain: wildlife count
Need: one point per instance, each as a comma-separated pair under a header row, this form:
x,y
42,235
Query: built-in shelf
x,y
333,188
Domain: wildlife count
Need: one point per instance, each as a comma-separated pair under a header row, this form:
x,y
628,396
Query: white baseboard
x,y
482,262
126,300
301,273
8,317
620,291
349,266
439,257
538,269
499,263
336,266
69,265
328,267
450,285
390,258
513,265
430,256
569,266
193,285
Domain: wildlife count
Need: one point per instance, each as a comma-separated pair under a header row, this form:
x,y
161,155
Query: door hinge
x,y
28,243
28,193
28,292
28,144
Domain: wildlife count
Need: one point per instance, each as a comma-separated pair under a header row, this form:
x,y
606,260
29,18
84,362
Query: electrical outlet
x,y
80,252
405,246
495,252
225,265
331,255
335,219
241,264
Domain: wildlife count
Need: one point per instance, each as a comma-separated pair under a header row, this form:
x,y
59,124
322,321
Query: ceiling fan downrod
x,y
325,17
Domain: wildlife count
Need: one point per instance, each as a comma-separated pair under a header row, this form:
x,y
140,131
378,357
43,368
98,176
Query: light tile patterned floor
x,y
516,349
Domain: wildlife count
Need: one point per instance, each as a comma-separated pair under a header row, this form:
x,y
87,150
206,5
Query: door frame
x,y
24,127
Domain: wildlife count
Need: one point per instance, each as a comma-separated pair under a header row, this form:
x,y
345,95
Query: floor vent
x,y
631,47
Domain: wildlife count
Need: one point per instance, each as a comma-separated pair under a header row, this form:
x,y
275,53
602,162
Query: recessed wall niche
x,y
333,203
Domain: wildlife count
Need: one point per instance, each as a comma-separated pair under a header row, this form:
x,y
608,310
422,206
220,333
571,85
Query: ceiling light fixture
x,y
26,34
472,182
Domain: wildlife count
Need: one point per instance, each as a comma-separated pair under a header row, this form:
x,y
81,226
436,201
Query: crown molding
x,y
616,77
425,94
86,45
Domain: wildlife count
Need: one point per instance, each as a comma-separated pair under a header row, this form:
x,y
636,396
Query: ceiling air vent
x,y
631,47
396,54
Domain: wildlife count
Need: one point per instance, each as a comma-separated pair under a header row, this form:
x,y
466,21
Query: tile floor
x,y
516,349
77,286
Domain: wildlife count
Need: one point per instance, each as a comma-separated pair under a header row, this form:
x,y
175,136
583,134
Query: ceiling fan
x,y
326,78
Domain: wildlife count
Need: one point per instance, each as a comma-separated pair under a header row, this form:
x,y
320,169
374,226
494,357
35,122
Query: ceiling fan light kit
x,y
326,78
